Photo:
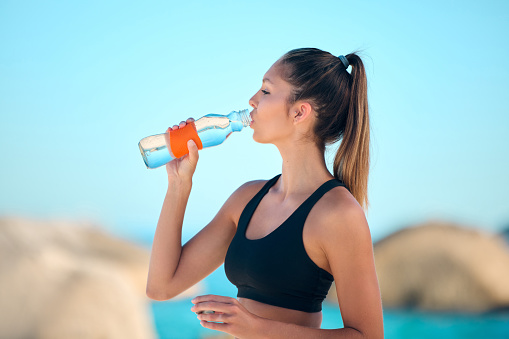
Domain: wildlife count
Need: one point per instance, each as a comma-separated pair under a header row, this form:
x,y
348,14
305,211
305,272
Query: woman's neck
x,y
303,170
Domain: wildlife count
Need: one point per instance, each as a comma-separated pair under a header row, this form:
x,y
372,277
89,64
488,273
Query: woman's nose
x,y
252,101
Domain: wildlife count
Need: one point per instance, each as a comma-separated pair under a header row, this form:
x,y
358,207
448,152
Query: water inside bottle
x,y
154,151
213,130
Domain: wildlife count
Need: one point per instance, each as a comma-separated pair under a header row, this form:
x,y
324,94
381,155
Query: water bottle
x,y
209,130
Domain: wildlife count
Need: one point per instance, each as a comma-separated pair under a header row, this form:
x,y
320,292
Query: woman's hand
x,y
229,316
182,169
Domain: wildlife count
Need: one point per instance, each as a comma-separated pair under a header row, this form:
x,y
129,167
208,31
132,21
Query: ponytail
x,y
351,163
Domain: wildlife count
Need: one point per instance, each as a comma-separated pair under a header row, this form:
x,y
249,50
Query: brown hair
x,y
341,102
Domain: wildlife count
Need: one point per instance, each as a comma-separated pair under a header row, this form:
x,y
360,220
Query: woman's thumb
x,y
193,150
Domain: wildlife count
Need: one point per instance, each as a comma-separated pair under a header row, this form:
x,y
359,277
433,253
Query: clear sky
x,y
82,82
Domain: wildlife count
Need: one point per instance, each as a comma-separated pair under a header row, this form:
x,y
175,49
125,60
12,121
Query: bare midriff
x,y
282,314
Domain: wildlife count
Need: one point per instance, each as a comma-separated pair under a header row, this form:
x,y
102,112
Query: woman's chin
x,y
256,137
258,140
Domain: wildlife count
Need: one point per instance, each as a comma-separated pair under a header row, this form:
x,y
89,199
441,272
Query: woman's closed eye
x,y
265,91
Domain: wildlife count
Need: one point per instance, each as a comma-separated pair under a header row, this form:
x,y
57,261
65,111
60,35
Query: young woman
x,y
284,241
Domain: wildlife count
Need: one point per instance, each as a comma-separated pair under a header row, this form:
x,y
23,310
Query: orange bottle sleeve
x,y
179,138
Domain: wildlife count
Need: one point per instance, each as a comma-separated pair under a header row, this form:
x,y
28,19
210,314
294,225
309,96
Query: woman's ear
x,y
301,111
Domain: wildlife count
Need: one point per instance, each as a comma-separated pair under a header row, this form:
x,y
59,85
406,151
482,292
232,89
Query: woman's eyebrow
x,y
268,80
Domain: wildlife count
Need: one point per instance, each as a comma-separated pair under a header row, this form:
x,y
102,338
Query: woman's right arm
x,y
174,268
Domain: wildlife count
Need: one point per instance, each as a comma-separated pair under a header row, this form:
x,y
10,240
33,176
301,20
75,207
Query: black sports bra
x,y
276,269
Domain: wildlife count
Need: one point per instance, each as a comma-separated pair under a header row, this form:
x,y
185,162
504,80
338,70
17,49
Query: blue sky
x,y
82,82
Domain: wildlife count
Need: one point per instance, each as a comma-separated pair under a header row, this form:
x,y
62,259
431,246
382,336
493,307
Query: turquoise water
x,y
174,319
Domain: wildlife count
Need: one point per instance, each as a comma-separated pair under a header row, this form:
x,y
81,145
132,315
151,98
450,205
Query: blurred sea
x,y
175,320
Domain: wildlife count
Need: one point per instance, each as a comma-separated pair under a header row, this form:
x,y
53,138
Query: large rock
x,y
441,266
62,280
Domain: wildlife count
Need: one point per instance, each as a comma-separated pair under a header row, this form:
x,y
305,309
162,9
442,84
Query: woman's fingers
x,y
212,297
182,124
216,317
215,303
217,307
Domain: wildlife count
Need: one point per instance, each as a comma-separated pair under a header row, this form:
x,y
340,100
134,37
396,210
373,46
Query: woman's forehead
x,y
273,75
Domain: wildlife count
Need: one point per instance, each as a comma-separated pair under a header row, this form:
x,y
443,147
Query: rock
x,y
62,280
438,266
443,266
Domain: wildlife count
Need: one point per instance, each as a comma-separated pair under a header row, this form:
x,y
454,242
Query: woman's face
x,y
270,115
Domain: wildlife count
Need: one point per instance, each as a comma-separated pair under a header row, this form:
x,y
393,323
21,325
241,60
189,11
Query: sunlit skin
x,y
336,234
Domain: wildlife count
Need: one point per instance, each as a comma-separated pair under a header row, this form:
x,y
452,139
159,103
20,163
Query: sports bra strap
x,y
251,206
320,191
303,210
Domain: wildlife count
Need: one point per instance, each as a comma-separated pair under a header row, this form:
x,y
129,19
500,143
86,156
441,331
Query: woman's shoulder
x,y
338,197
249,187
243,194
336,212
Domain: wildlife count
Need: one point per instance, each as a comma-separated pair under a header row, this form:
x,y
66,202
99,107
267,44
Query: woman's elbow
x,y
159,294
155,295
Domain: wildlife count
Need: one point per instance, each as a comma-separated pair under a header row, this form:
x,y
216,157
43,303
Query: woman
x,y
284,240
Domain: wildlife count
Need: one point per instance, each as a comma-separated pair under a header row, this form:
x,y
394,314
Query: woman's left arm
x,y
346,241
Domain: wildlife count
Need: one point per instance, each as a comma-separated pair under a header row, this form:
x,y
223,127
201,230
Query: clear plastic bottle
x,y
212,130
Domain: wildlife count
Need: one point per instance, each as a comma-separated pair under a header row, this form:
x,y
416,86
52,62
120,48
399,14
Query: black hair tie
x,y
344,61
